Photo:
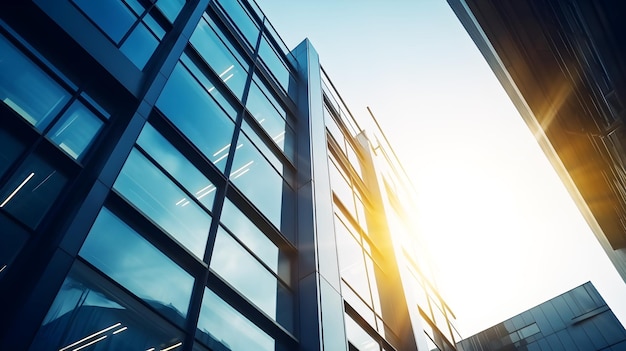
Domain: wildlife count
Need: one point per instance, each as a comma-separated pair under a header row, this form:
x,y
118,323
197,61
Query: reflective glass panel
x,y
341,187
219,57
26,89
373,271
233,263
154,194
258,180
10,149
170,8
351,263
358,304
122,254
177,165
275,64
136,6
140,45
221,327
358,337
271,117
86,315
215,89
242,20
76,129
32,190
12,239
250,235
262,146
187,104
112,16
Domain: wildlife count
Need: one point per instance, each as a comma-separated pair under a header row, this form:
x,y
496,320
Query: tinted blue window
x,y
221,327
26,89
275,64
263,148
177,165
112,16
215,52
122,254
10,149
609,327
233,263
76,129
271,116
87,315
242,271
192,110
250,235
259,181
32,190
154,194
140,45
170,8
242,20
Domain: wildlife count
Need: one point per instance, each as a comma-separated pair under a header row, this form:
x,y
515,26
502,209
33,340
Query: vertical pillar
x,y
320,320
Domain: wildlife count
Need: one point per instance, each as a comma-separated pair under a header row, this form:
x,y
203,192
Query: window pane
x,y
221,327
258,180
263,148
197,115
242,20
359,337
140,46
142,184
122,254
85,313
10,149
250,235
26,89
271,117
12,239
217,55
351,261
112,16
177,165
275,64
75,131
170,8
244,273
341,187
32,190
136,6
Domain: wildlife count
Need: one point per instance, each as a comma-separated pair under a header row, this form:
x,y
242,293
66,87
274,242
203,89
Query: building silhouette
x,y
172,177
578,319
562,64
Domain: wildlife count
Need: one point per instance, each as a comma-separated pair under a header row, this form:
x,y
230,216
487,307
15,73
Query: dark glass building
x,y
172,177
576,320
562,64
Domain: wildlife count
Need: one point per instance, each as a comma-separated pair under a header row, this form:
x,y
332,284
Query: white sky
x,y
504,232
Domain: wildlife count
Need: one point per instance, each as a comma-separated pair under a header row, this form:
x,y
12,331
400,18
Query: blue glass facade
x,y
173,178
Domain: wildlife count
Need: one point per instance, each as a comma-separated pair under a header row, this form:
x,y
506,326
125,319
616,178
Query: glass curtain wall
x,y
198,224
359,258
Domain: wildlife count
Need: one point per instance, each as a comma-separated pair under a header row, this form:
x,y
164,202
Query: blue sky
x,y
503,230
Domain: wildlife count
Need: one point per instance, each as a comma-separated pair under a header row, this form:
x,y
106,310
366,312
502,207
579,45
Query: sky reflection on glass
x,y
219,323
118,251
141,183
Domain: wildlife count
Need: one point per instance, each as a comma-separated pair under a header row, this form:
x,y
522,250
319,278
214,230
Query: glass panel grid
x,y
121,253
142,184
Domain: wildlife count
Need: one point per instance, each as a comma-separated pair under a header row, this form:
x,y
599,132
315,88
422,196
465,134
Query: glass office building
x,y
172,177
576,320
